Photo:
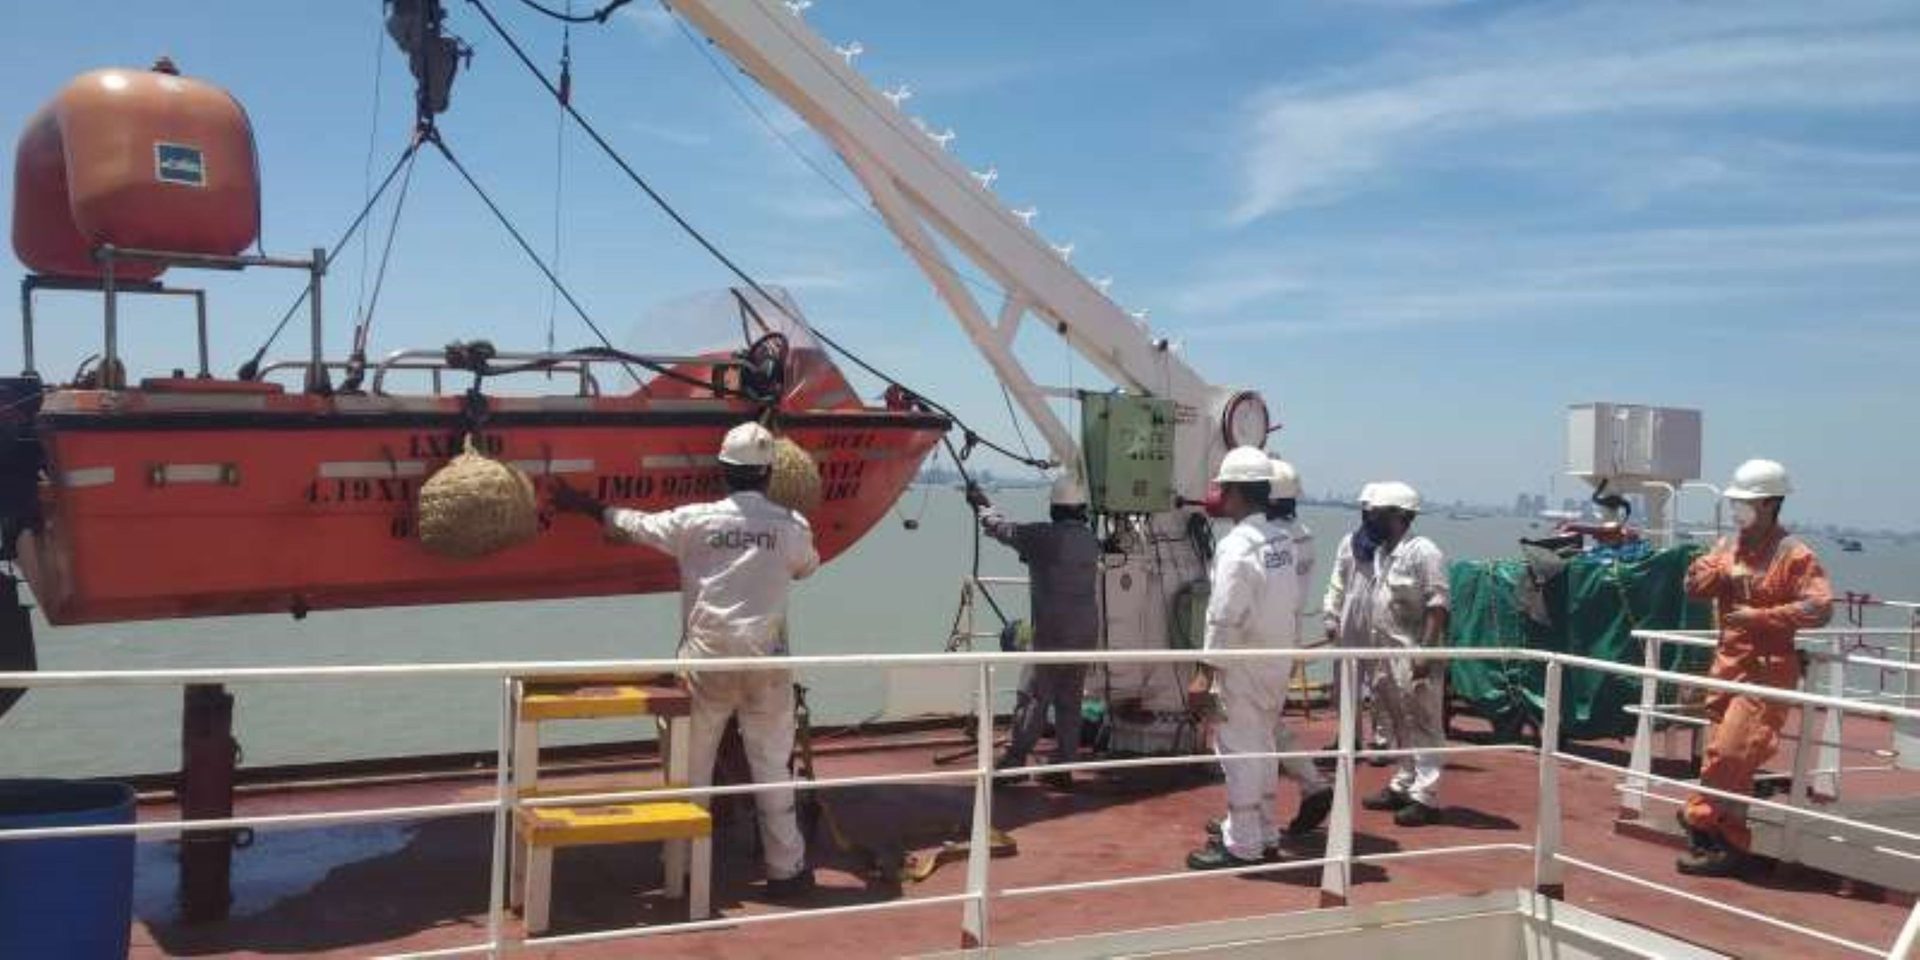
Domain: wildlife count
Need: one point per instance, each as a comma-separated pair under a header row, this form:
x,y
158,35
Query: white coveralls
x,y
1254,604
1346,609
737,559
1407,582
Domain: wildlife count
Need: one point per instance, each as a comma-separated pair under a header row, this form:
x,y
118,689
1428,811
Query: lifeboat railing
x,y
32,284
1545,849
110,256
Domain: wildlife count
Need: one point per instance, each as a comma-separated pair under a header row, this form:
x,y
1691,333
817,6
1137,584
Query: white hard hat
x,y
747,445
1286,480
1365,497
1245,465
1758,480
1395,494
1067,491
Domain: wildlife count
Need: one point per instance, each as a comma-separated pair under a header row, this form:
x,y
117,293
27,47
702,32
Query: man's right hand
x,y
569,499
977,498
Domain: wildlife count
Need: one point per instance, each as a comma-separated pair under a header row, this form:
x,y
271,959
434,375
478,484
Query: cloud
x,y
1317,142
676,136
655,23
819,207
1770,278
1226,293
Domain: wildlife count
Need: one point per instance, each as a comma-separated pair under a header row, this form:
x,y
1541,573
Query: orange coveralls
x,y
1784,588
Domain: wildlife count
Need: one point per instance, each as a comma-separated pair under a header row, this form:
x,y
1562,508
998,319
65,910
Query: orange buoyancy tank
x,y
136,158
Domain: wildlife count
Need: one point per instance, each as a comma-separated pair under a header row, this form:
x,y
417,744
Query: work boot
x,y
1716,859
791,888
1386,799
1214,856
1379,744
1059,781
1314,808
1698,841
1009,763
1271,851
1416,814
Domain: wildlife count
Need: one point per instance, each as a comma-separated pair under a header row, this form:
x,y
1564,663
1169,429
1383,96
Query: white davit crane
x,y
927,195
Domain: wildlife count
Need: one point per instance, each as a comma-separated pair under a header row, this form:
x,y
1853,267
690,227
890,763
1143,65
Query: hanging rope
x,y
357,357
560,162
251,369
587,127
366,173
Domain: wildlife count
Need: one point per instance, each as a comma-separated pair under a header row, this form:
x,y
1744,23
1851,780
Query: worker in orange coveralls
x,y
1765,585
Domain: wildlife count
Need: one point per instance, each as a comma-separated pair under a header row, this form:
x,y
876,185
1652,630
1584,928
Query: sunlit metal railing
x,y
1335,865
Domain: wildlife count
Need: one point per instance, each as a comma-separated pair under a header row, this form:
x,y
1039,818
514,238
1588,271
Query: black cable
x,y
527,248
961,468
719,256
598,16
251,368
365,325
801,155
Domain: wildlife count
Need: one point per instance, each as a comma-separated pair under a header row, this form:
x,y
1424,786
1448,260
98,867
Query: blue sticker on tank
x,y
174,163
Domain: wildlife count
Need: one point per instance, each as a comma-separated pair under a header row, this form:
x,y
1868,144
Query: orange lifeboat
x,y
144,159
197,496
191,497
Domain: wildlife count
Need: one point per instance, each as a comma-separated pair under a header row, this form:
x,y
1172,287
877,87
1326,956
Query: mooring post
x,y
208,755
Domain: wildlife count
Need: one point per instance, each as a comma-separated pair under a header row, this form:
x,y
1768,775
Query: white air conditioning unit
x,y
1621,441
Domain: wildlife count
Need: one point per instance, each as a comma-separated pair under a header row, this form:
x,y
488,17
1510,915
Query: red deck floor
x,y
359,890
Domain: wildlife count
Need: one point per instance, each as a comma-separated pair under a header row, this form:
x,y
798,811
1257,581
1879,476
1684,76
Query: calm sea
x,y
895,592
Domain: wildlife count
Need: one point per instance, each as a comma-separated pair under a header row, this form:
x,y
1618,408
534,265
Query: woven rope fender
x,y
475,506
796,479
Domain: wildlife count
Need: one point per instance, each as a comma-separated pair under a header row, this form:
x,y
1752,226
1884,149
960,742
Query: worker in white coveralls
x,y
1283,511
738,558
1344,609
1407,607
1254,604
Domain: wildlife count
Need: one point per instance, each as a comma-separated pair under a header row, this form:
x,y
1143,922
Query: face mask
x,y
1378,527
1745,514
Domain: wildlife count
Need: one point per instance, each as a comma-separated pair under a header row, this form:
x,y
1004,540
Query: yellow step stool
x,y
546,829
683,829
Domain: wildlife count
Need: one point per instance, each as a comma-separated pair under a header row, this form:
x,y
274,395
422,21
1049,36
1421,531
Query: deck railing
x,y
977,901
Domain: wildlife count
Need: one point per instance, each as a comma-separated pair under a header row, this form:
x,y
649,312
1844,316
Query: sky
x,y
1422,228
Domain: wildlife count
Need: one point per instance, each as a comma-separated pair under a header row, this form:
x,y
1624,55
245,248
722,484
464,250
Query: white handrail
x,y
1336,865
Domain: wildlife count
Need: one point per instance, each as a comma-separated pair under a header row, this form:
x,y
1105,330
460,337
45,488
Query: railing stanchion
x,y
1804,751
1547,872
1832,674
1337,876
1907,947
1633,801
502,821
973,923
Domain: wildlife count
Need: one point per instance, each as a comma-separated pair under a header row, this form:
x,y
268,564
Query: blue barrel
x,y
70,897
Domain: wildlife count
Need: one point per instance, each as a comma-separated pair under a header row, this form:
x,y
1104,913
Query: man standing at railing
x,y
1407,608
738,558
1254,605
1062,558
1765,586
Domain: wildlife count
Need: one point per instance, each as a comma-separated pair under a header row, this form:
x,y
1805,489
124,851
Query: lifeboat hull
x,y
290,503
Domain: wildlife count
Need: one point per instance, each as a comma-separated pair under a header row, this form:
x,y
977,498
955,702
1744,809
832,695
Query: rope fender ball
x,y
476,506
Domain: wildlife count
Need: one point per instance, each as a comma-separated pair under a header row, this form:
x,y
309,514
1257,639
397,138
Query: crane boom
x,y
922,191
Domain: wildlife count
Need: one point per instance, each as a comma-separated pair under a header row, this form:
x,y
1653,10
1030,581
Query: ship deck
x,y
381,888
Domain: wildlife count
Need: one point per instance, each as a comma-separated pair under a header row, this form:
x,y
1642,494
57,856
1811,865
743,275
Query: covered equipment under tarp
x,y
1592,605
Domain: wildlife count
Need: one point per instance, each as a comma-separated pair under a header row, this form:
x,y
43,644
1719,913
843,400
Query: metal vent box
x,y
1630,441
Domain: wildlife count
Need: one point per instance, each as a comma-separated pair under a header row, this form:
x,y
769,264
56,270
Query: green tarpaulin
x,y
1594,605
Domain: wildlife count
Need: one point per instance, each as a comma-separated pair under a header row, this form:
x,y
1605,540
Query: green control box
x,y
1128,445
